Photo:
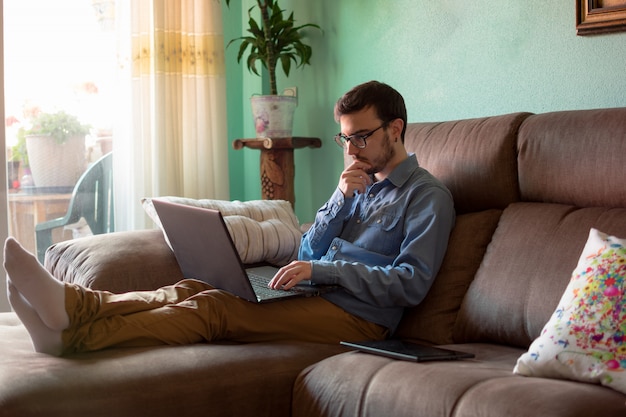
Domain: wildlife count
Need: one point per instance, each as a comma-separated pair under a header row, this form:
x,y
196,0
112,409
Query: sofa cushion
x,y
262,230
585,339
116,262
433,319
193,380
574,157
363,385
475,158
527,267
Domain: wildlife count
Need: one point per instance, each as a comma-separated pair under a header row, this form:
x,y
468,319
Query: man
x,y
381,237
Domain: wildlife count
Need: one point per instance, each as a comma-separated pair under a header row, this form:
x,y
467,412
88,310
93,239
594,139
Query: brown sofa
x,y
527,190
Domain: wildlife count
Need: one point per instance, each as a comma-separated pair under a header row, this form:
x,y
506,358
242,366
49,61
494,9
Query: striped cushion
x,y
262,230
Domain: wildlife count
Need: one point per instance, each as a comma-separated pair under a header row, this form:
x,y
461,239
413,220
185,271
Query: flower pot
x,y
13,174
273,115
56,165
105,143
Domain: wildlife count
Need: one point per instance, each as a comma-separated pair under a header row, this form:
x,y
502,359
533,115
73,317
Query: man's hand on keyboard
x,y
290,275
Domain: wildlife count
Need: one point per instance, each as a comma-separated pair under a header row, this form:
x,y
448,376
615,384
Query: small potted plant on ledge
x,y
18,162
55,144
275,40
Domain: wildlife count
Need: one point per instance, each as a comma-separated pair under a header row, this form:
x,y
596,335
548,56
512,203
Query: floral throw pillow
x,y
585,339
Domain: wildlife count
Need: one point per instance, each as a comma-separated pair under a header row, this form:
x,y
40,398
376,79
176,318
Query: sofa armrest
x,y
116,262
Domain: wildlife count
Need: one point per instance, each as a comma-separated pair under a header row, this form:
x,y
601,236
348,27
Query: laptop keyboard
x,y
259,283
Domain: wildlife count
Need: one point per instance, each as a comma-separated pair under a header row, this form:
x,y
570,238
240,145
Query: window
x,y
60,60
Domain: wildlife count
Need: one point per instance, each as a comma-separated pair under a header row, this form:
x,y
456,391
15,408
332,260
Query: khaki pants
x,y
192,311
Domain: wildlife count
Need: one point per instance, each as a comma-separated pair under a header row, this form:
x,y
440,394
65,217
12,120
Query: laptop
x,y
205,251
408,351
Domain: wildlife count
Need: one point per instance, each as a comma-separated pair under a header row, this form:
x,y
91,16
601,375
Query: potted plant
x,y
17,160
55,144
276,40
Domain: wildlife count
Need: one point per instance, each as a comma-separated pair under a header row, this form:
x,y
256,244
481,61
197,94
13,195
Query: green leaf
x,y
282,46
285,61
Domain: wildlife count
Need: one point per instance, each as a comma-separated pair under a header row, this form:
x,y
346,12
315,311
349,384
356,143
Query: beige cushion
x,y
262,230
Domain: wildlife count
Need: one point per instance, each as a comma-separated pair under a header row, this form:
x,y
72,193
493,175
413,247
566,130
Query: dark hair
x,y
387,102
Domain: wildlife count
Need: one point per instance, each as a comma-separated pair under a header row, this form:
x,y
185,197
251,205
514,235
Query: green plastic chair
x,y
92,199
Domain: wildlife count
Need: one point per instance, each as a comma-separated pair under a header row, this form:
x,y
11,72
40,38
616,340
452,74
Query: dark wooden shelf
x,y
277,166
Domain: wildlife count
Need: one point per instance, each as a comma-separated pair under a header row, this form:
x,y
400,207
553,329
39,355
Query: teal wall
x,y
451,59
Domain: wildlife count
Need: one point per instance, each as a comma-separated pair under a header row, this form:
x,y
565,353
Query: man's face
x,y
379,150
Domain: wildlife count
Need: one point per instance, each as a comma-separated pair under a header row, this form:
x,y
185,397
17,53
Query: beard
x,y
380,161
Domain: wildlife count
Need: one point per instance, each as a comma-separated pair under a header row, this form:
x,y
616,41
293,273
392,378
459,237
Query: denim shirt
x,y
383,247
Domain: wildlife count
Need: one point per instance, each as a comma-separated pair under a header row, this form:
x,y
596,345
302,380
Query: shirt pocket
x,y
386,232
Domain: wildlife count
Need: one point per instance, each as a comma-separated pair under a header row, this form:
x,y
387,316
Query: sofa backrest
x,y
474,158
572,176
574,157
518,235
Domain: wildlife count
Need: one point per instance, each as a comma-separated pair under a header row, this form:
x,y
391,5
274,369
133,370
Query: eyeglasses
x,y
357,140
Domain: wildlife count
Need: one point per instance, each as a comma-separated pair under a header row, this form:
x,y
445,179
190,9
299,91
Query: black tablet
x,y
408,351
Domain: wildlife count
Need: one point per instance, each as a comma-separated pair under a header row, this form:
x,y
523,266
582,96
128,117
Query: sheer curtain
x,y
171,138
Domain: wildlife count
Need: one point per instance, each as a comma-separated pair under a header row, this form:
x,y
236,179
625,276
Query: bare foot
x,y
44,293
45,340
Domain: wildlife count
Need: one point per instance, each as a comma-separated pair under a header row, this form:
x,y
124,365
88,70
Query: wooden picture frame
x,y
600,16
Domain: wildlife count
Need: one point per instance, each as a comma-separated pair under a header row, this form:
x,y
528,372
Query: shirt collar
x,y
403,171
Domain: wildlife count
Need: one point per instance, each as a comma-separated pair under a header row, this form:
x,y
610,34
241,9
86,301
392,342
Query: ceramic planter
x,y
273,115
56,165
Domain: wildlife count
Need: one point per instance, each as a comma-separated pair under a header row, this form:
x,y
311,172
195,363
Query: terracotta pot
x,y
106,144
